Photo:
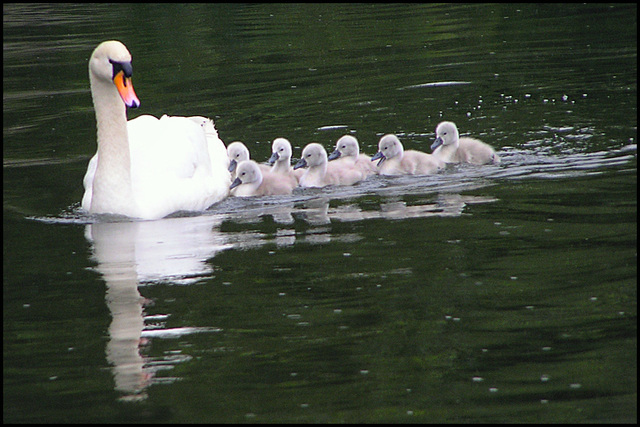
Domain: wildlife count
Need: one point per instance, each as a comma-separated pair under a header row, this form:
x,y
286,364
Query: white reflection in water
x,y
176,250
129,254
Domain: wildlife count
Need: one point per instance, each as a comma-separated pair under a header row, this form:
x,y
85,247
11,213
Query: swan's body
x,y
238,152
320,173
394,160
251,181
347,155
281,160
147,168
450,148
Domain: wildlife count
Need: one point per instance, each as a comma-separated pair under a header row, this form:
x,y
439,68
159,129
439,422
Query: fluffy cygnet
x,y
394,160
281,159
347,154
320,172
251,181
450,148
238,152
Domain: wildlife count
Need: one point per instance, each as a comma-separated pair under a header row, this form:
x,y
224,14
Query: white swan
x,y
450,148
238,152
251,181
147,168
320,173
347,155
394,160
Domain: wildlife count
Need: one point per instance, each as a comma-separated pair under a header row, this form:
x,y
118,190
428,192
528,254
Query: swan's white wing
x,y
177,163
87,182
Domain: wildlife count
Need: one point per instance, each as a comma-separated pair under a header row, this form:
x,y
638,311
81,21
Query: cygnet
x,y
394,160
347,155
450,148
238,152
320,173
281,159
251,181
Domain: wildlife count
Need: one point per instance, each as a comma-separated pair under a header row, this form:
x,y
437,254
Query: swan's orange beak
x,y
125,89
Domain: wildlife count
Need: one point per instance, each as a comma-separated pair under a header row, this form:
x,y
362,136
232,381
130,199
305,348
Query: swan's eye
x,y
125,67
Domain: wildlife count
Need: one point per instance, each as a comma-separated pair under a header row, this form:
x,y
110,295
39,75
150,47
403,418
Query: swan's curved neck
x,y
112,190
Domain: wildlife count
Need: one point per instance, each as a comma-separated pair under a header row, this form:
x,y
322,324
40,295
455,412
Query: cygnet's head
x,y
446,134
389,147
248,173
346,146
237,152
280,150
313,155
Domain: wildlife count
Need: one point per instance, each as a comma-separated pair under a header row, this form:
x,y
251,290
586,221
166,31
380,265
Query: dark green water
x,y
496,294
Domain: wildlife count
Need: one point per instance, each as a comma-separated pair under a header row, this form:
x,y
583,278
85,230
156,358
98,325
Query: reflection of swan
x,y
129,253
171,249
450,148
394,160
115,253
147,168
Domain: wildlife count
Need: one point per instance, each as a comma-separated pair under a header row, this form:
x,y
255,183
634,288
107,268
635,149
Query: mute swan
x,y
320,173
394,160
281,160
147,168
238,152
347,155
449,148
251,181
